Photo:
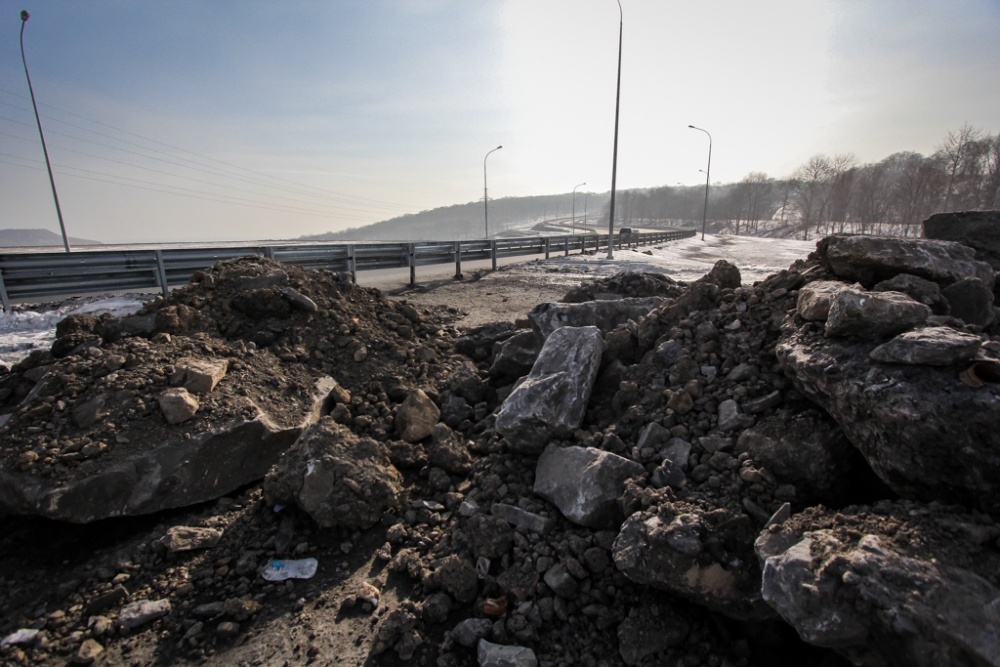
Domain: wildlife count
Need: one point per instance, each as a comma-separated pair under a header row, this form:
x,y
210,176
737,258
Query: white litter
x,y
279,570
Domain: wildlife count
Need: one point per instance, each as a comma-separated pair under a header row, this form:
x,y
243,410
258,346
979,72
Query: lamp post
x,y
708,176
574,206
24,19
614,158
585,200
486,206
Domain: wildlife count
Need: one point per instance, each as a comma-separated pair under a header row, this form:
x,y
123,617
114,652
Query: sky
x,y
237,120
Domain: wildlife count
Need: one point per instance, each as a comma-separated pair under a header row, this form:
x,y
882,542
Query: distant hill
x,y
509,215
20,238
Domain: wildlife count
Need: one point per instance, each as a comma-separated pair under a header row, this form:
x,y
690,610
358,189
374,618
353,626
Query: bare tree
x,y
811,192
954,154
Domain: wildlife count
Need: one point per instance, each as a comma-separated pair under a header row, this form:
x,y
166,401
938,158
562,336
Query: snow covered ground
x,y
26,328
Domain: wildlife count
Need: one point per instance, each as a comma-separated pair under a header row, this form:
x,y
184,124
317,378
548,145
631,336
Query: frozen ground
x,y
504,294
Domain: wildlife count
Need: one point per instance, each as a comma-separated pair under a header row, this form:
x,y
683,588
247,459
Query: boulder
x,y
815,299
924,432
201,375
873,315
416,416
477,343
877,600
699,553
605,315
925,291
872,259
931,346
971,301
552,399
725,275
177,405
517,355
338,478
807,450
584,483
980,230
179,472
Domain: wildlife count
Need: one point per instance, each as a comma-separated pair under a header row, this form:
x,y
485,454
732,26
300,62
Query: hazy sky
x,y
314,116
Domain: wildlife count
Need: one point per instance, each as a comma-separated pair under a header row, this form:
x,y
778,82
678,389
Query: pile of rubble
x,y
648,473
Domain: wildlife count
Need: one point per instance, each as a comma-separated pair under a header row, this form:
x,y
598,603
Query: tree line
x,y
836,194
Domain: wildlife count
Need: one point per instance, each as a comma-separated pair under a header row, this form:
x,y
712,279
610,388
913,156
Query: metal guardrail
x,y
25,275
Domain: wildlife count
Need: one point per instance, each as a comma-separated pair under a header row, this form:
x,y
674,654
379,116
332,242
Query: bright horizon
x,y
389,107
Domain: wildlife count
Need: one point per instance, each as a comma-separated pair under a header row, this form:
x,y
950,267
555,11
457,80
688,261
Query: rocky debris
x,y
894,584
873,315
478,343
808,451
189,538
918,289
200,376
702,554
605,315
872,259
647,631
630,284
88,652
552,399
928,346
523,519
416,417
585,483
177,405
517,355
471,630
448,452
338,478
980,230
816,298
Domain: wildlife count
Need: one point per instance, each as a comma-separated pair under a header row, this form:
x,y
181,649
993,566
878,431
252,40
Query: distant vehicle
x,y
626,236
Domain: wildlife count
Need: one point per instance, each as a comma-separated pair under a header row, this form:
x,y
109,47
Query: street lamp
x,y
614,158
486,206
708,176
24,19
585,199
574,206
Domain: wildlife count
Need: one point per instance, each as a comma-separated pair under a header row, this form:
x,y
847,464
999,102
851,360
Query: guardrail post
x,y
546,247
269,252
493,253
3,294
352,266
412,261
161,274
458,260
566,241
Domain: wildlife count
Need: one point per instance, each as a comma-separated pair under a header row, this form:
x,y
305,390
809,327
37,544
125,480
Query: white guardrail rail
x,y
28,275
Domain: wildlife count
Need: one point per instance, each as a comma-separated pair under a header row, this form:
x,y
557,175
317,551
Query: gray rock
x,y
668,473
141,612
227,629
653,436
88,652
517,355
605,315
449,451
584,483
971,300
925,291
338,478
924,432
676,549
177,405
190,538
560,581
471,630
177,472
454,409
872,259
742,372
815,298
89,412
495,655
646,631
867,606
705,332
416,416
273,278
730,417
552,399
873,315
520,518
299,300
932,346
755,406
807,450
715,443
478,342
980,230
678,451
